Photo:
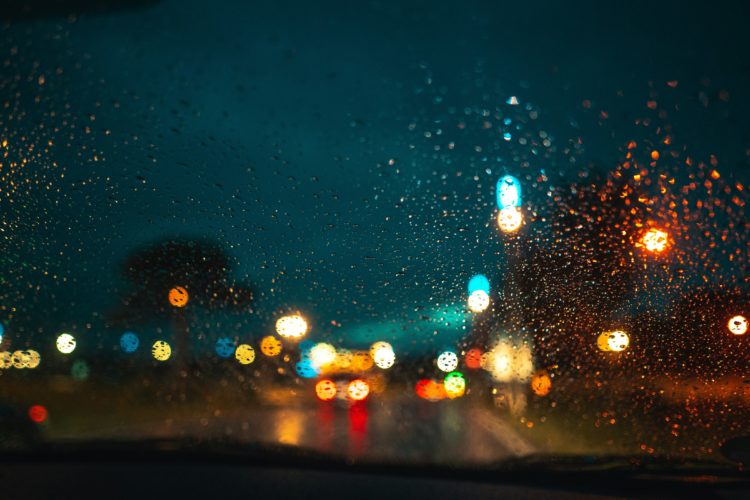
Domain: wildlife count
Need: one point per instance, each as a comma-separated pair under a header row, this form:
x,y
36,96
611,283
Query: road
x,y
403,429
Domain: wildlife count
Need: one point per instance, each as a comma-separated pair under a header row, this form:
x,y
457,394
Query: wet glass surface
x,y
410,231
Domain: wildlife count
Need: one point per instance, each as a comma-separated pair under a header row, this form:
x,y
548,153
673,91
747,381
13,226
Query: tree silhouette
x,y
693,338
567,272
200,266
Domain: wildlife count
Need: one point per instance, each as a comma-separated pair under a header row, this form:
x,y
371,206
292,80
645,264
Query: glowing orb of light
x,y
65,343
325,390
473,359
738,325
508,192
32,359
478,301
541,383
616,341
19,359
655,240
507,361
161,350
245,354
447,361
322,354
2,331
38,413
602,342
509,219
430,390
270,346
6,360
292,326
500,363
129,342
361,361
178,296
80,370
382,355
306,369
454,384
358,389
479,282
224,347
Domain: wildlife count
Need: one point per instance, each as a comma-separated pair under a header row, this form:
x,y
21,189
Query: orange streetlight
x,y
655,240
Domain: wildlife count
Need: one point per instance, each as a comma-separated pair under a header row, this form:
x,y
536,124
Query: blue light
x,y
129,342
224,347
306,369
479,282
2,331
508,192
506,136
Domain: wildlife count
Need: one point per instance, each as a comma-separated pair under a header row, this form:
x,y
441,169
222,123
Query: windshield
x,y
428,232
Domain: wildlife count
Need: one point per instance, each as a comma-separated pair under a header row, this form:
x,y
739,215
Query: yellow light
x,y
507,361
65,343
447,361
292,326
322,354
383,355
738,325
245,354
501,362
19,359
655,240
616,341
270,346
358,389
602,342
161,350
509,219
454,385
478,301
33,359
6,360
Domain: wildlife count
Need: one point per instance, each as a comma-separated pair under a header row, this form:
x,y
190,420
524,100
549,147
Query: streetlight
x,y
655,240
